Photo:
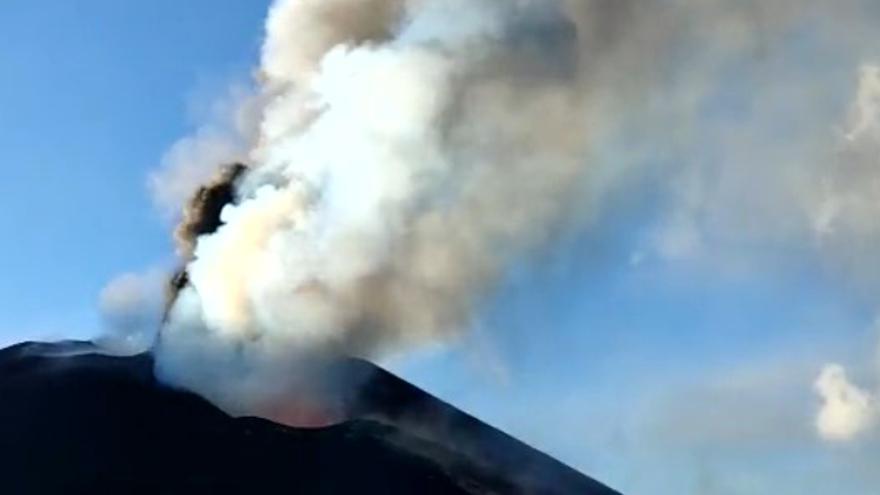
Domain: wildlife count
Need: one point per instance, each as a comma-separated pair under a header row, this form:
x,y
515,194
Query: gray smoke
x,y
404,158
131,306
402,154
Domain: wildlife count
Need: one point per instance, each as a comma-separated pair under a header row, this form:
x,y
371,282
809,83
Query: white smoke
x,y
406,151
131,306
403,157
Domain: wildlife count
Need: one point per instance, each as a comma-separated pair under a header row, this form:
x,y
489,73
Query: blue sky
x,y
91,95
585,354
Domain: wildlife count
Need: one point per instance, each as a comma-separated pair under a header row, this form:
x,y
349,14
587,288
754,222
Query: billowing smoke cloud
x,y
401,154
407,152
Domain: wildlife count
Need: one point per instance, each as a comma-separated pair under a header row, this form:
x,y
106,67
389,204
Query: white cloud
x,y
866,111
732,430
847,410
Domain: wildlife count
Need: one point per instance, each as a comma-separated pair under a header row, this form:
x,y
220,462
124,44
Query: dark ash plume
x,y
201,215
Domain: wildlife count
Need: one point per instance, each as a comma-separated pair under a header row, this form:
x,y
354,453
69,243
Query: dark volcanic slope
x,y
72,421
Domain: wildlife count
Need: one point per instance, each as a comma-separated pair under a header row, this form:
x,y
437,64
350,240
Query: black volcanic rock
x,y
76,421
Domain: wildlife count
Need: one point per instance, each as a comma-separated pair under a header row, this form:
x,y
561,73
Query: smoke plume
x,y
400,155
407,151
131,306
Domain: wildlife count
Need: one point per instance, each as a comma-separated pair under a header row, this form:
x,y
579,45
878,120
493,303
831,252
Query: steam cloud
x,y
400,154
406,152
132,306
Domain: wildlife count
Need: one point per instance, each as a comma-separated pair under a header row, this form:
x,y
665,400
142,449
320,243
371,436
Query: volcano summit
x,y
74,420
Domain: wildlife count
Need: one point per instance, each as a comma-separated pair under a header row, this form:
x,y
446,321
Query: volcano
x,y
75,420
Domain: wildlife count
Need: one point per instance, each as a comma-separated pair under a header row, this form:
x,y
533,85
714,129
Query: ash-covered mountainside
x,y
75,421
